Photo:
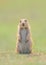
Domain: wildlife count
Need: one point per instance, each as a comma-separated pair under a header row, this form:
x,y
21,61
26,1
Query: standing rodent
x,y
24,39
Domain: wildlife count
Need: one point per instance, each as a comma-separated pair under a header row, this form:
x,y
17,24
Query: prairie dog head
x,y
23,23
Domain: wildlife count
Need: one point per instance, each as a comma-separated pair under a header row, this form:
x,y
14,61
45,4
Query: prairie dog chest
x,y
23,34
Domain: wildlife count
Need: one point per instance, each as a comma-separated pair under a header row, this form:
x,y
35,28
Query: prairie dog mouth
x,y
23,24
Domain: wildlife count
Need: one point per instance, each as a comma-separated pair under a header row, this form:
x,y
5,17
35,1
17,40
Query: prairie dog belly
x,y
23,35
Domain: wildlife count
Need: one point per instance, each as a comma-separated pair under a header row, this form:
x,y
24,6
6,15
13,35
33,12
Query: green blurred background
x,y
11,11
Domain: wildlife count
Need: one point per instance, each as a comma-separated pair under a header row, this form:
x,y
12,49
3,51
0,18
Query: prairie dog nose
x,y
22,24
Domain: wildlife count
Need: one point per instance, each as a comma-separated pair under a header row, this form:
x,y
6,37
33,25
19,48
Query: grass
x,y
11,11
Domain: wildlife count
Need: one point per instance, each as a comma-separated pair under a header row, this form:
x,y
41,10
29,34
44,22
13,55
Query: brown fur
x,y
22,47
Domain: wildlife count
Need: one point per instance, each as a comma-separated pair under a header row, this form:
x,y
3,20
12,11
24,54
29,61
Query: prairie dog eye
x,y
25,20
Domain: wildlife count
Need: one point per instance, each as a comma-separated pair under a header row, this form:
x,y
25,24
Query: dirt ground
x,y
11,58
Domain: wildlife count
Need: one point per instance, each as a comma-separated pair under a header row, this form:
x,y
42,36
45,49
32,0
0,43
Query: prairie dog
x,y
24,39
